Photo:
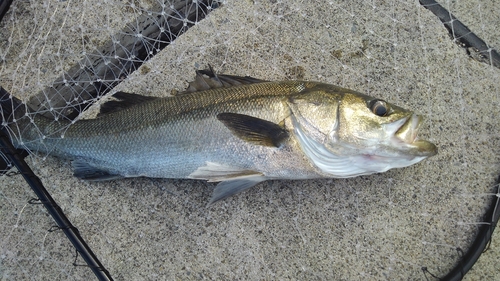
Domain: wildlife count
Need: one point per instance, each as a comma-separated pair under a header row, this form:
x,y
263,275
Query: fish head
x,y
347,134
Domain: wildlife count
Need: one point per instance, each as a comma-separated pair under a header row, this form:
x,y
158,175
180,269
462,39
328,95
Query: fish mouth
x,y
408,134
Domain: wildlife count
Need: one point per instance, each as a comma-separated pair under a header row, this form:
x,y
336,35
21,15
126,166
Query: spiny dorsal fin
x,y
254,130
208,79
124,100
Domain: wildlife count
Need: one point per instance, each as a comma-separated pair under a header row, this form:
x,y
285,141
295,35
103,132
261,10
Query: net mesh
x,y
61,57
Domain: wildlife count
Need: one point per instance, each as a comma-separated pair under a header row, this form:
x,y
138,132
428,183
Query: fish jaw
x,y
406,137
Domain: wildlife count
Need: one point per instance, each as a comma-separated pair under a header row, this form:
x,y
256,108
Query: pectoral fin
x,y
254,130
232,187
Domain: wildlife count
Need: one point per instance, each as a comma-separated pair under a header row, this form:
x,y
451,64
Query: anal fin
x,y
84,171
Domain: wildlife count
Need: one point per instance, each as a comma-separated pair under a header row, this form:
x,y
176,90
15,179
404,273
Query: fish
x,y
234,130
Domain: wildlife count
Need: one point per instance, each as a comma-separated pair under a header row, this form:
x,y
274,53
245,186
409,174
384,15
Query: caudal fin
x,y
11,109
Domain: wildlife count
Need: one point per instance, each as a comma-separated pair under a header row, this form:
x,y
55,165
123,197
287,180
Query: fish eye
x,y
379,107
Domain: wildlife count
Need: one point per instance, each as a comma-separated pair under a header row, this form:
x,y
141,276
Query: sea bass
x,y
237,131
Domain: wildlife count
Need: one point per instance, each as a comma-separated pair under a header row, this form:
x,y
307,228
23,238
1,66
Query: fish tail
x,y
14,118
11,108
23,124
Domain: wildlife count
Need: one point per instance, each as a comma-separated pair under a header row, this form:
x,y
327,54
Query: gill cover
x,y
317,113
315,119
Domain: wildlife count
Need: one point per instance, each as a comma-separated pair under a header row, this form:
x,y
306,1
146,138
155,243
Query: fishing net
x,y
64,58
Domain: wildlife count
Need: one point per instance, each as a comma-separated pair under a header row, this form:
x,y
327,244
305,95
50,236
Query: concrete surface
x,y
379,227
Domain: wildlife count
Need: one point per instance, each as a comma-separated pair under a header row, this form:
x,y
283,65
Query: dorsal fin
x,y
124,100
208,79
